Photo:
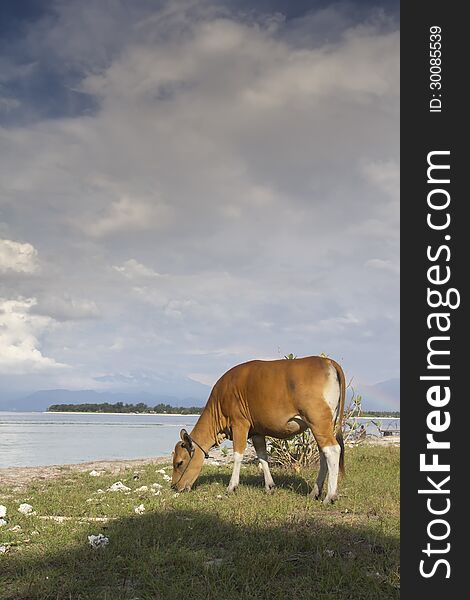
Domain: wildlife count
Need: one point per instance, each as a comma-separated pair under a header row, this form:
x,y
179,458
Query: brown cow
x,y
278,398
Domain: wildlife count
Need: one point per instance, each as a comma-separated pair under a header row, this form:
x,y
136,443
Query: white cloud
x,y
19,343
17,257
126,214
133,269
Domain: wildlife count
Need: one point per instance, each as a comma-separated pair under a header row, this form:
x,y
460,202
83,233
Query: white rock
x,y
3,523
166,477
162,471
98,541
143,488
119,487
139,510
3,549
3,511
94,473
25,509
156,486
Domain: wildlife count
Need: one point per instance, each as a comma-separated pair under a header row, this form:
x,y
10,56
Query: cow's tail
x,y
338,425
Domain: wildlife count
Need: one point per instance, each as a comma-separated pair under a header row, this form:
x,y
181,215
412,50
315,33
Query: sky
x,y
188,185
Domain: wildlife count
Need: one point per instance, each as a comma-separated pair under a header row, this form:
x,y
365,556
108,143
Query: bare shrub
x,y
301,450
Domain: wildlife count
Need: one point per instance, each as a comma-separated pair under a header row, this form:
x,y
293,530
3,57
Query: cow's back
x,y
269,393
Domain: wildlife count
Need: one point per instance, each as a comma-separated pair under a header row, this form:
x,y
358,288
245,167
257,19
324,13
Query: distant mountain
x,y
381,396
41,400
130,388
164,385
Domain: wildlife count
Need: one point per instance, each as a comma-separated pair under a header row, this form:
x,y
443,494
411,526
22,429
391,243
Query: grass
x,y
206,544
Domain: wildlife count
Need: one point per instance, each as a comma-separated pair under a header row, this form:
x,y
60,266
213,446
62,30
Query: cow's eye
x,y
178,464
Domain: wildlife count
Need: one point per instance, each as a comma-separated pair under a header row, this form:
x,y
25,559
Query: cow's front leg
x,y
240,435
259,442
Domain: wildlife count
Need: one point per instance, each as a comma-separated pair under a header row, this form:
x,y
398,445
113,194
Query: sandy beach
x,y
21,476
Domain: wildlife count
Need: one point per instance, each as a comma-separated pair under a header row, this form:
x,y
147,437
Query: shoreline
x,y
20,477
89,412
85,412
135,414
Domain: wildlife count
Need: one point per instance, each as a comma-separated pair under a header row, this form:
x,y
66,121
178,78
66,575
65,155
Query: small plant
x,y
351,413
296,452
224,451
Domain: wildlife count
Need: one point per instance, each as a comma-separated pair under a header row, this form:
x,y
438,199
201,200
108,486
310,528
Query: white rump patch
x,y
331,392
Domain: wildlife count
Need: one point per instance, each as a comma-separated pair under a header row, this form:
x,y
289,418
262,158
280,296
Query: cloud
x,y
134,269
382,265
19,344
385,175
227,186
17,257
8,104
334,325
126,214
66,308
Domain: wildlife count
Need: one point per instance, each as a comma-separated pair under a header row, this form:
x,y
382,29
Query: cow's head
x,y
187,463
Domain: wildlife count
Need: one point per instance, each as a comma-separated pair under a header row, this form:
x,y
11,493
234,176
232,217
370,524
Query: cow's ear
x,y
186,439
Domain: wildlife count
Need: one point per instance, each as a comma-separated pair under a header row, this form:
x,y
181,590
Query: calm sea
x,y
33,439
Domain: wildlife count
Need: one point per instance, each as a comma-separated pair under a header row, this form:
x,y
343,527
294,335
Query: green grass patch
x,y
207,544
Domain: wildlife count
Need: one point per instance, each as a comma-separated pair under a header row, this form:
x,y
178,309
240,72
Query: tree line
x,y
381,413
120,407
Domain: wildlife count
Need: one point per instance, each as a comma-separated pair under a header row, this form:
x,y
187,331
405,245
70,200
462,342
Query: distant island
x,y
381,413
120,407
141,407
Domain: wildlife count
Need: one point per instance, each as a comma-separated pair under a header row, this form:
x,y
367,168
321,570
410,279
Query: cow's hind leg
x,y
259,442
321,423
317,489
240,436
332,454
